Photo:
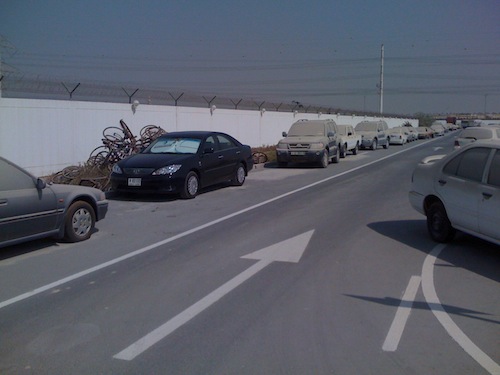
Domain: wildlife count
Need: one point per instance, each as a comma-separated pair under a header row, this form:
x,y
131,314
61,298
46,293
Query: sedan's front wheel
x,y
79,222
239,176
191,186
438,224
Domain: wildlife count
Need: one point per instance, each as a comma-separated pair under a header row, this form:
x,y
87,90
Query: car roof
x,y
492,143
191,133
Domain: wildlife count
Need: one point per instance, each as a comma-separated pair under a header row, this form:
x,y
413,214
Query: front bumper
x,y
309,156
147,184
366,143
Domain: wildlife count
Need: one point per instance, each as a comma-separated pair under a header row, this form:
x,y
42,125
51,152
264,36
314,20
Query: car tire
x,y
355,150
336,158
343,151
374,145
79,222
438,224
191,186
239,176
325,159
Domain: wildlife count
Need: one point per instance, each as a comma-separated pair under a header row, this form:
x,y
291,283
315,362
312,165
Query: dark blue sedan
x,y
183,163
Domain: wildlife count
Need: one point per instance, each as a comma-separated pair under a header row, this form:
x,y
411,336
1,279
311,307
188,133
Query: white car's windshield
x,y
174,146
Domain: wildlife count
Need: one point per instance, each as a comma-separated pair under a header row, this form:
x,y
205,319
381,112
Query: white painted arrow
x,y
290,250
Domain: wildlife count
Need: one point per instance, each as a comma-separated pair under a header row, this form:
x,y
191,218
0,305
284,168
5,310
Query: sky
x,y
440,56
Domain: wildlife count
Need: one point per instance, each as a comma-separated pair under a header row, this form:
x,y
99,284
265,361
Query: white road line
x,y
180,319
398,324
442,316
184,234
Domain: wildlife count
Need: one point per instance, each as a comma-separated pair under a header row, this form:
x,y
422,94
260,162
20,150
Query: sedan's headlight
x,y
116,169
282,146
317,146
169,169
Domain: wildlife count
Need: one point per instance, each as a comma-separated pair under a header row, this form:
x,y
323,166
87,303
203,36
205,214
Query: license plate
x,y
134,182
298,153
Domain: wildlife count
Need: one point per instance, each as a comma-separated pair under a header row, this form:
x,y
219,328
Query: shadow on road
x,y
464,251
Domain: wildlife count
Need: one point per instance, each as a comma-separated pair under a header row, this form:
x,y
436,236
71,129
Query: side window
x,y
12,178
494,174
210,143
469,165
225,143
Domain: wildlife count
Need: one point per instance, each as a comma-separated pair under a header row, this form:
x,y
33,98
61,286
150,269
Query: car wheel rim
x,y
241,175
82,222
192,185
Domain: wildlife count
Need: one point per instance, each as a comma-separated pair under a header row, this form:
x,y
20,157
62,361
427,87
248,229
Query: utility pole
x,y
381,86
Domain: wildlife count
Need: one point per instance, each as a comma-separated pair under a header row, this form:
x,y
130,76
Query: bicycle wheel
x,y
113,134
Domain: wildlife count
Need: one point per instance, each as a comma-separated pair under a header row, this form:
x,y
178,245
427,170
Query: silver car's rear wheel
x,y
438,224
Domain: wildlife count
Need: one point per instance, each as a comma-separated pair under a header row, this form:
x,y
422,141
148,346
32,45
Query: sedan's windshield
x,y
174,146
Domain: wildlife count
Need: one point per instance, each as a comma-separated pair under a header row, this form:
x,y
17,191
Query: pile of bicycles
x,y
117,143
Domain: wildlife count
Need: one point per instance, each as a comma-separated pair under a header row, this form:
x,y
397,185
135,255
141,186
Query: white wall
x,y
44,136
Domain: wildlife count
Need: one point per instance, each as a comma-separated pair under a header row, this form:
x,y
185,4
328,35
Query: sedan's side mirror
x,y
284,134
208,150
331,134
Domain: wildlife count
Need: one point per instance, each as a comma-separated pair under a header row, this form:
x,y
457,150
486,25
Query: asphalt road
x,y
300,271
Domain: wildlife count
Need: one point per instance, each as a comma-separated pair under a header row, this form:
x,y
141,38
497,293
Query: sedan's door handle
x,y
487,195
442,182
220,157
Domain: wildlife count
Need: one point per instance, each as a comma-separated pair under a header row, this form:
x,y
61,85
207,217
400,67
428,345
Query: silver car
x,y
460,191
31,209
473,134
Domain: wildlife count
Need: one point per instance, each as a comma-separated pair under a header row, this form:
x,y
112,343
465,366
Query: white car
x,y
438,130
398,135
460,191
473,134
349,140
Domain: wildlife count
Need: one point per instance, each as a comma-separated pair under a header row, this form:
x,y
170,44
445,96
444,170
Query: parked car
x,y
183,163
472,134
460,191
398,135
412,134
424,132
373,134
31,209
349,140
438,130
310,141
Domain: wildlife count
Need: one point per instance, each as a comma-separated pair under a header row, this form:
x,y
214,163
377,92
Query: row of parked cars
x,y
443,188
322,141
